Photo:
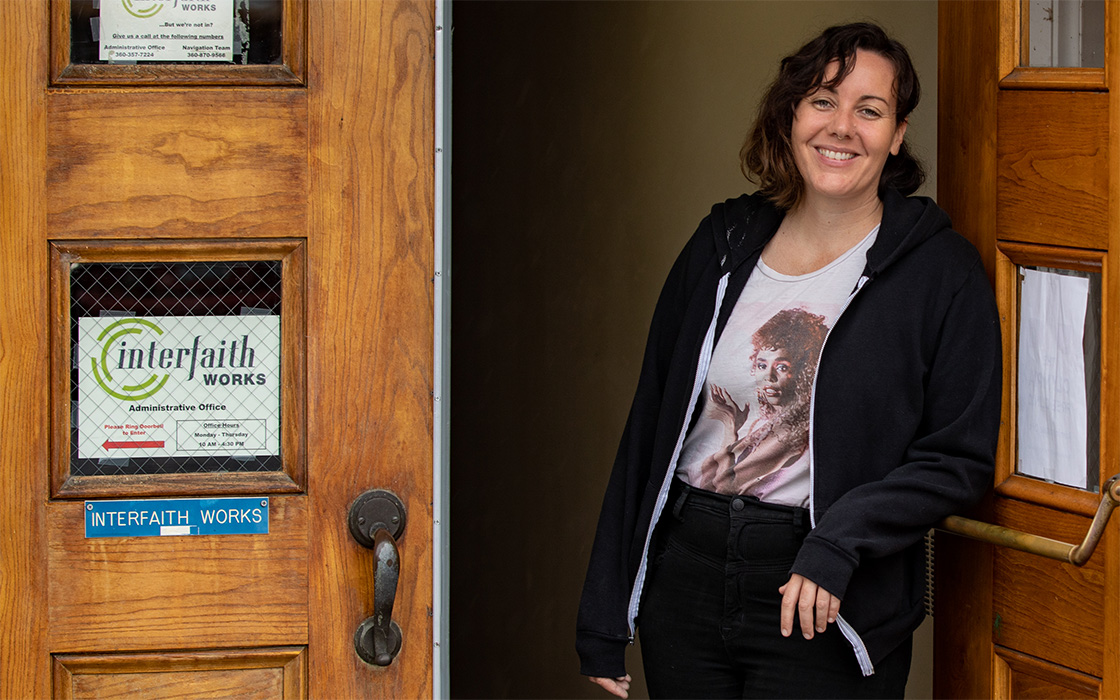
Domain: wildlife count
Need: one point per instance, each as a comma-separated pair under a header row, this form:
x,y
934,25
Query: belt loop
x,y
679,503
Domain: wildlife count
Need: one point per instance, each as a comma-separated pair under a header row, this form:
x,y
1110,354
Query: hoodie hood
x,y
741,227
907,223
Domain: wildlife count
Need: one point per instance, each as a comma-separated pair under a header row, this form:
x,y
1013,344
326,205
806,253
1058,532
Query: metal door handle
x,y
1077,555
376,520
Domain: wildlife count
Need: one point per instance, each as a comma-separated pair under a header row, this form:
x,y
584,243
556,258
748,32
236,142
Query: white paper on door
x,y
1052,414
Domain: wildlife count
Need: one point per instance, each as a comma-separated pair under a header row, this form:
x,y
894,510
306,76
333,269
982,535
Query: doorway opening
x,y
589,140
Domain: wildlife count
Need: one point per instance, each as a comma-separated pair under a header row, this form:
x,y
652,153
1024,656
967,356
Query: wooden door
x,y
1028,168
317,164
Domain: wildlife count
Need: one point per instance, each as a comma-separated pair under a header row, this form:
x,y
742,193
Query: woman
x,y
808,585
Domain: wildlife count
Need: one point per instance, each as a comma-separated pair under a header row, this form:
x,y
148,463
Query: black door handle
x,y
376,520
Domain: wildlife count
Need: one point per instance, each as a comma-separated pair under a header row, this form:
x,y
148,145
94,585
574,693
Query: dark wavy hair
x,y
767,155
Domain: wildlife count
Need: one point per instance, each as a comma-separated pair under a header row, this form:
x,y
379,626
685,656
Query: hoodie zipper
x,y
663,494
860,649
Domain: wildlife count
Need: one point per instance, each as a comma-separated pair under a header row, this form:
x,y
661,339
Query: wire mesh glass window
x,y
175,367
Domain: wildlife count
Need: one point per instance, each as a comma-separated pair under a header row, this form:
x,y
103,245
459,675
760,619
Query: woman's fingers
x,y
619,687
806,605
791,593
824,603
816,608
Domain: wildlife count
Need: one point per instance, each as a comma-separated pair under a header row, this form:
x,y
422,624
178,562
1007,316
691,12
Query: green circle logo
x,y
125,392
135,10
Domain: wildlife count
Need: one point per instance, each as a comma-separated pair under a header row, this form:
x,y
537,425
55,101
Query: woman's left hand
x,y
815,606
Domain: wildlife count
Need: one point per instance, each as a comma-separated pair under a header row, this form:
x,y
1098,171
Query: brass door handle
x,y
377,520
1042,546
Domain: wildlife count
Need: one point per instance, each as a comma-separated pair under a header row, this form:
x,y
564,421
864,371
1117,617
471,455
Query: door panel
x,y
185,163
261,673
329,168
178,592
1052,159
1045,608
1022,676
1028,170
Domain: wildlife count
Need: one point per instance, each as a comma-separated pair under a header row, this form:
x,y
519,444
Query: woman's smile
x,y
835,155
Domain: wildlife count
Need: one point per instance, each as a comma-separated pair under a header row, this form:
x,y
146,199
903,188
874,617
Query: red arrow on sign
x,y
131,445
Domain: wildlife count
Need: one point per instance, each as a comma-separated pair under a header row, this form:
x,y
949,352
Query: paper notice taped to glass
x,y
166,30
1052,413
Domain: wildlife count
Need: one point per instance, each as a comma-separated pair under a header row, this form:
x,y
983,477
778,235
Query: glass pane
x,y
1059,376
123,32
176,367
1063,33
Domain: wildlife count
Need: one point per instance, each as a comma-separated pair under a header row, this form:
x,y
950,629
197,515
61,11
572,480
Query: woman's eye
x,y
870,113
822,103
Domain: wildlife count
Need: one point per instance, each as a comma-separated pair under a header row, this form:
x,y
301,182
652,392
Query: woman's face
x,y
774,372
841,136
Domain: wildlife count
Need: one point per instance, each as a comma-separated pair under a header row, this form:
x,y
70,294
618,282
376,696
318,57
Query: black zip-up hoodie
x,y
903,431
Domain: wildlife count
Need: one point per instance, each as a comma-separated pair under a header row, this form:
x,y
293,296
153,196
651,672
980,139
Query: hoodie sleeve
x,y
945,467
603,628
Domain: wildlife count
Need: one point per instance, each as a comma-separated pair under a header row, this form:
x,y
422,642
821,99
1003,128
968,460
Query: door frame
x,y
441,380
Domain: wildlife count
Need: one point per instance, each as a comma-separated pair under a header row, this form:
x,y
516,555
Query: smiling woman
x,y
720,535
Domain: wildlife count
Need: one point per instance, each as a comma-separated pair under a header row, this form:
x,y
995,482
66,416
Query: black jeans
x,y
709,621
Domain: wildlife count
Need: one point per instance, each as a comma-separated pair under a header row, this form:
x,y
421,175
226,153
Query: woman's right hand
x,y
614,686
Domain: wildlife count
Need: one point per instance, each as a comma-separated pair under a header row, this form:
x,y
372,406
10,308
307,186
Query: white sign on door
x,y
166,30
178,386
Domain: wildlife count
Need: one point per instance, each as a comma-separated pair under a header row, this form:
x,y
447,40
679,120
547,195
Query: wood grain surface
x,y
135,593
23,350
196,163
1045,608
967,75
262,673
1053,168
344,163
371,73
1023,677
1028,155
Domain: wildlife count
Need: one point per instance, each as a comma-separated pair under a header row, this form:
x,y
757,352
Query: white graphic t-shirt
x,y
752,436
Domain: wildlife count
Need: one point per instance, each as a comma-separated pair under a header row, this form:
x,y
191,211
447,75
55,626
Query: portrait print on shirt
x,y
783,364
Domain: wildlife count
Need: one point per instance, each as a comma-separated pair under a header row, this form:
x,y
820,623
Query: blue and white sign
x,y
177,517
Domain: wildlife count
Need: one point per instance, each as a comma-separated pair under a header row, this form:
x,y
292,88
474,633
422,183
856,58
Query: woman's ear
x,y
899,134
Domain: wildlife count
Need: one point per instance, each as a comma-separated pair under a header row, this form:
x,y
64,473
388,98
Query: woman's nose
x,y
841,124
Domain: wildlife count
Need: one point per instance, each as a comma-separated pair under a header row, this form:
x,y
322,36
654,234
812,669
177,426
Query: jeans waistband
x,y
683,497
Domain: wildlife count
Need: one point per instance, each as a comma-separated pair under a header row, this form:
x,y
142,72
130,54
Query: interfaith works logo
x,y
127,361
143,8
